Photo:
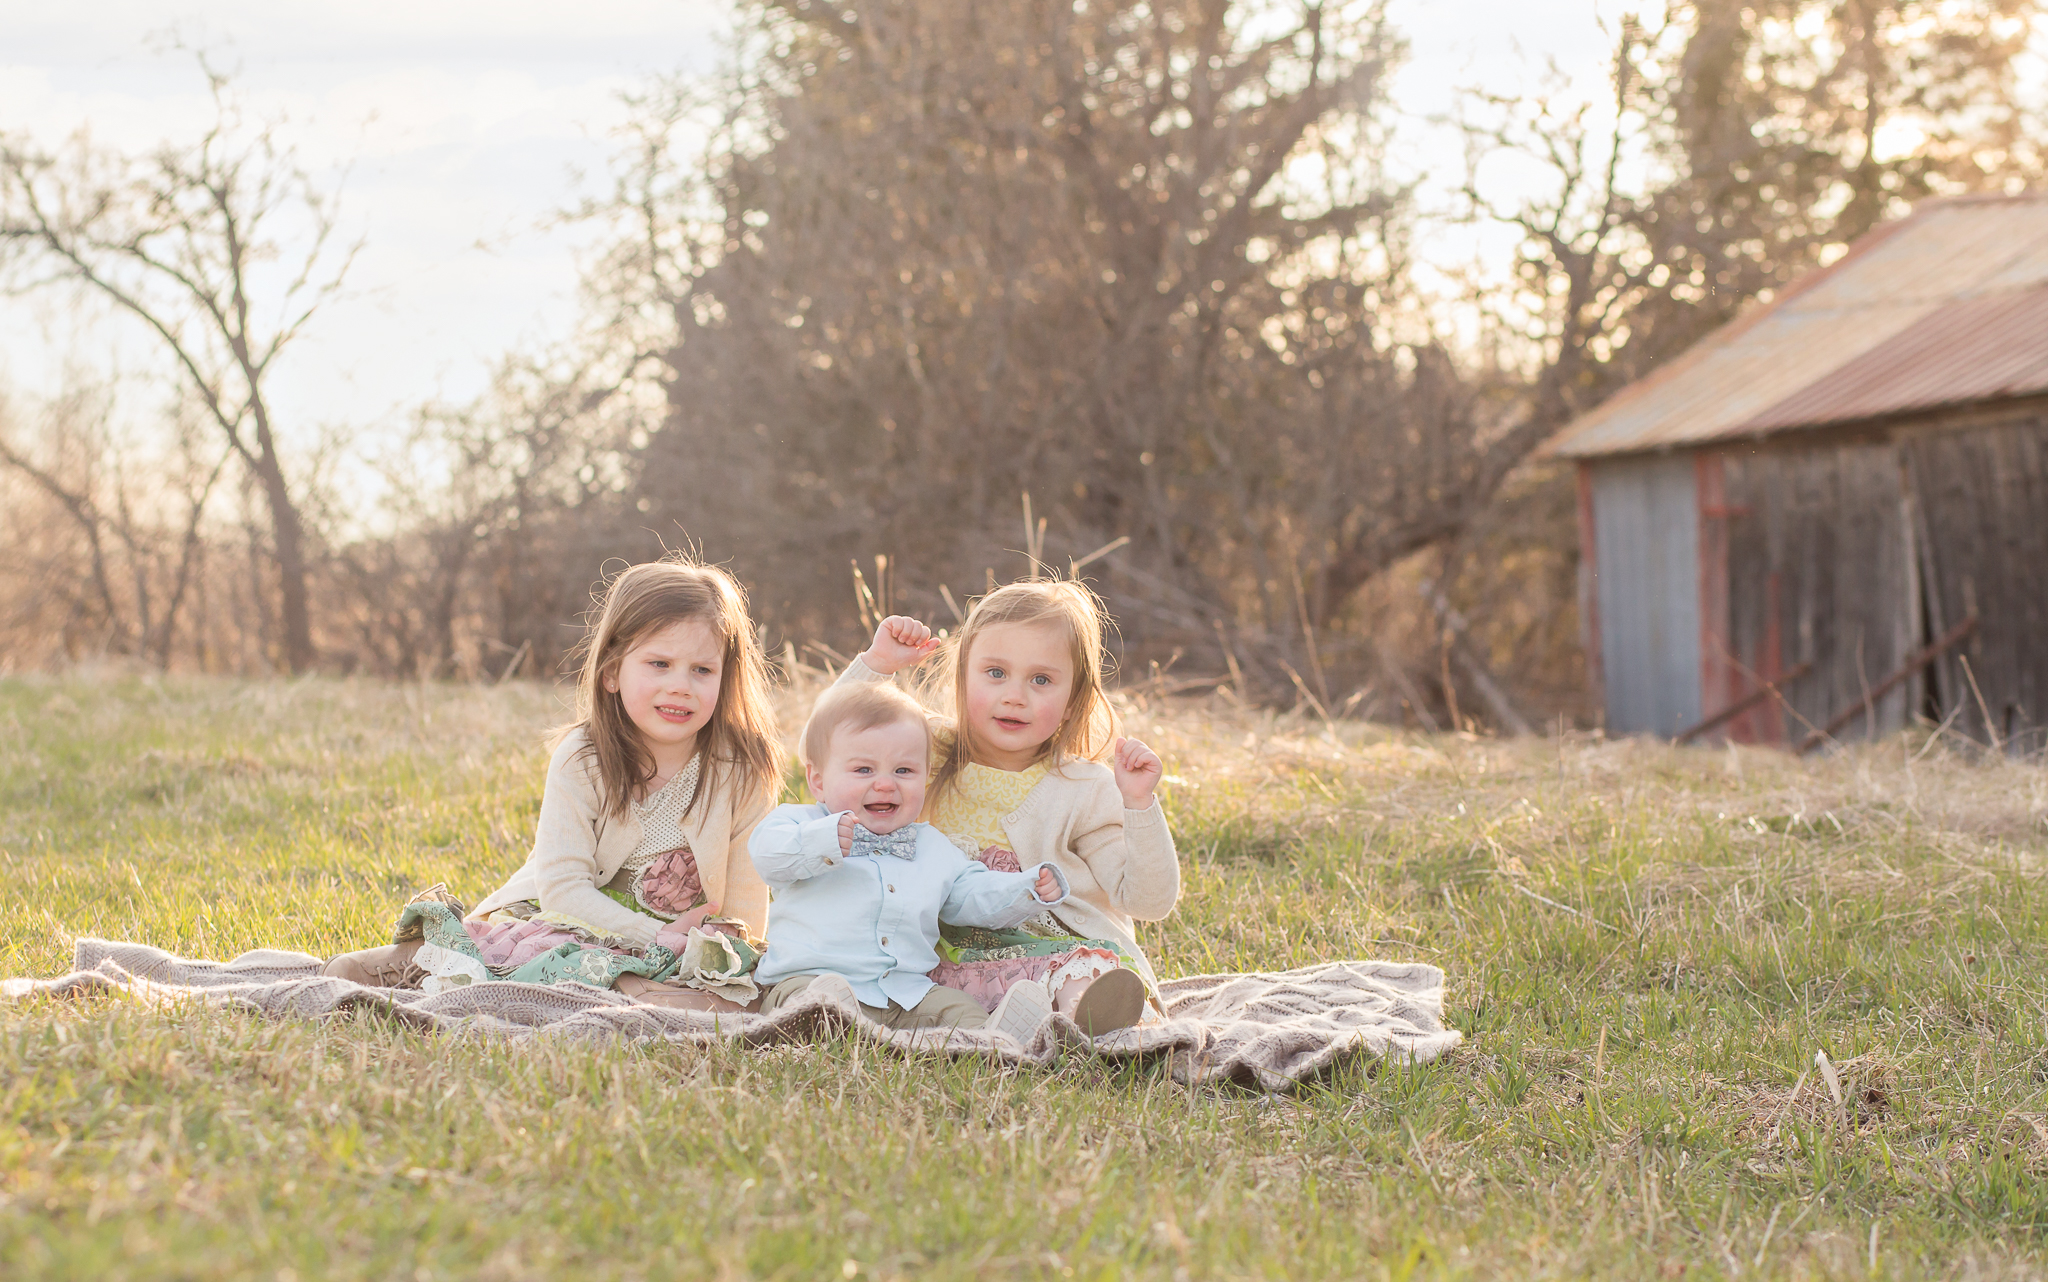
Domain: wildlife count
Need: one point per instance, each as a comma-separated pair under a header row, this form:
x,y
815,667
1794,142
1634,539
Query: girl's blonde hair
x,y
1088,729
737,749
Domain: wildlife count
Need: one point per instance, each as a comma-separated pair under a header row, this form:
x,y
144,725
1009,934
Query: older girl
x,y
639,877
1033,770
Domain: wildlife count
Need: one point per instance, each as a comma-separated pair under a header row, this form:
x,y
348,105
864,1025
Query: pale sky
x,y
464,127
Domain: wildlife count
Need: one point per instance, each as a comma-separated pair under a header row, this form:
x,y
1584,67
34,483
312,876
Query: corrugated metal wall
x,y
1646,551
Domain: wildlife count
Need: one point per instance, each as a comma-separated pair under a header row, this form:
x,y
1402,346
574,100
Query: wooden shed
x,y
1832,514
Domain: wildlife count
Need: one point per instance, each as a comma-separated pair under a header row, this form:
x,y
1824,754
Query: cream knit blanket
x,y
1272,1030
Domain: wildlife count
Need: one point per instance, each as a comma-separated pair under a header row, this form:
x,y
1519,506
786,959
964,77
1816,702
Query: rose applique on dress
x,y
670,885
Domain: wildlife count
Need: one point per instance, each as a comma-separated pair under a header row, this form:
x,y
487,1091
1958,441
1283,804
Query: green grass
x,y
1637,1098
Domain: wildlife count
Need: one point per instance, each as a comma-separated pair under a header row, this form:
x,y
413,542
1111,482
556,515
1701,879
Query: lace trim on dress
x,y
661,834
971,813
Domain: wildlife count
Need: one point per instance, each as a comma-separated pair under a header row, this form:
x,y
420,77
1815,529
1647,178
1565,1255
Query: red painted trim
x,y
1589,585
1767,723
1720,677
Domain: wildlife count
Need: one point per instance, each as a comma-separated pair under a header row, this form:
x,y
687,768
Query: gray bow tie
x,y
902,843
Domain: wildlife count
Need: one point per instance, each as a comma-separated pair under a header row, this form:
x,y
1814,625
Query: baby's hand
x,y
677,933
900,642
1047,886
846,834
1137,773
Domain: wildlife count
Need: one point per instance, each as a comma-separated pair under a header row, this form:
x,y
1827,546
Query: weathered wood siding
x,y
1645,522
1820,570
1982,496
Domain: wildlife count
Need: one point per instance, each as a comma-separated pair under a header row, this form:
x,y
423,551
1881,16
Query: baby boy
x,y
859,885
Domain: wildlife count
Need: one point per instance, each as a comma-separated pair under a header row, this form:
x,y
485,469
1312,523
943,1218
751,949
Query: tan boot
x,y
1111,1001
391,966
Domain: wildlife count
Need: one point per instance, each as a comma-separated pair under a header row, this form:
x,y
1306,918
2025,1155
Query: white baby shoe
x,y
1024,1010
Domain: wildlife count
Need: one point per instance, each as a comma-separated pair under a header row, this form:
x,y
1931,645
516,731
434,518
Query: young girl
x,y
1021,777
639,877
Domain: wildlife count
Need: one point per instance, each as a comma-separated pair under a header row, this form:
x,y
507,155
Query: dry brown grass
x,y
1646,946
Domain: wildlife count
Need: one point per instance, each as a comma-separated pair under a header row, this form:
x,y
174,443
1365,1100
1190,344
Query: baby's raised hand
x,y
900,642
846,834
1047,885
1137,773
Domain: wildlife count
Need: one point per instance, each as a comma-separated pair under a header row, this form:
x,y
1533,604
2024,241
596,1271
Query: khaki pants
x,y
941,1008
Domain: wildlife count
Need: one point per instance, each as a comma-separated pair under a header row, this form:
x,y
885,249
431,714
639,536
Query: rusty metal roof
x,y
1947,306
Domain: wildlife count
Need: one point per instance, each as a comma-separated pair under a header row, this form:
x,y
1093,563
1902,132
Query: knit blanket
x,y
1268,1029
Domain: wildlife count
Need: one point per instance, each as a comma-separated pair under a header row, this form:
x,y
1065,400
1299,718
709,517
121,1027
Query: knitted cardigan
x,y
1120,864
577,848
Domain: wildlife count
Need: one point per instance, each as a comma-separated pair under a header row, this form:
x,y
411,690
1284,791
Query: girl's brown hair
x,y
1090,726
737,748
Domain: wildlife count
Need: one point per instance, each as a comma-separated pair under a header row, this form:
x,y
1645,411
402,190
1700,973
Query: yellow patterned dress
x,y
985,964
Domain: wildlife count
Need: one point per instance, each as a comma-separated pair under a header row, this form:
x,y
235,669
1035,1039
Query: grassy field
x,y
1647,947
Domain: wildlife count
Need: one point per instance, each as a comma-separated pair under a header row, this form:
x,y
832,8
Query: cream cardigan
x,y
577,848
1120,864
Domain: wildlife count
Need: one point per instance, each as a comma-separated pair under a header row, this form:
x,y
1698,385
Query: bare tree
x,y
68,476
1136,260
223,249
912,260
1141,261
1741,143
136,520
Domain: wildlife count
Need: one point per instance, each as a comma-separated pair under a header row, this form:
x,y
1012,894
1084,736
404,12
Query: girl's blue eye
x,y
995,674
1042,679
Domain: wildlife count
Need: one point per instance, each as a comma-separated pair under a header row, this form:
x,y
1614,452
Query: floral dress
x,y
984,964
524,943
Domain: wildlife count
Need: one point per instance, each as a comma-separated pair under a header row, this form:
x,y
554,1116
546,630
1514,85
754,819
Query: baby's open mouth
x,y
881,809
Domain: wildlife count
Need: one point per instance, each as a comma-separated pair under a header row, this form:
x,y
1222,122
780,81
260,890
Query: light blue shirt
x,y
874,918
